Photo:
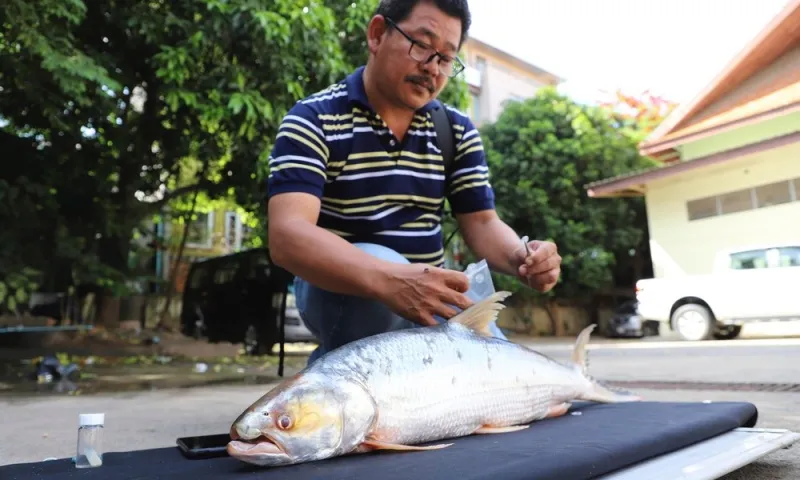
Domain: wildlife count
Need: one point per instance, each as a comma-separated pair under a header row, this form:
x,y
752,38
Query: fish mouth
x,y
263,446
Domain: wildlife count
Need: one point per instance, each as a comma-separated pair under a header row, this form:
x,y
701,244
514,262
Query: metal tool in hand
x,y
527,254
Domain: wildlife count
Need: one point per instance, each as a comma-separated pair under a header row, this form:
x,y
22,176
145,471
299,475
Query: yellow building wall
x,y
501,81
739,137
680,247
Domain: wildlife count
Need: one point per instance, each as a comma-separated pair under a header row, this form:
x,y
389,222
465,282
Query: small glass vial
x,y
90,440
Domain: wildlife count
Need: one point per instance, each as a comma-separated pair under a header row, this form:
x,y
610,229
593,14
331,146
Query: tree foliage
x,y
541,153
113,111
639,114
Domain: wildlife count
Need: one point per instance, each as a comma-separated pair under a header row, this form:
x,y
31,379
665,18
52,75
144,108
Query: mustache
x,y
422,80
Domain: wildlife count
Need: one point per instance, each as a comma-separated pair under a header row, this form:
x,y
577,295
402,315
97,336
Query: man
x,y
357,185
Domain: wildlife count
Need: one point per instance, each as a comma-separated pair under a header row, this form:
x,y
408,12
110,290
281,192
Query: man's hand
x,y
417,292
539,270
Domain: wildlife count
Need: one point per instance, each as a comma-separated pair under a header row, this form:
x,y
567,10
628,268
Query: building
x,y
495,77
220,231
730,176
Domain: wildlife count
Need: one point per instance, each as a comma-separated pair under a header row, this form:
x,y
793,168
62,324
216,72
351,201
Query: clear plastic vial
x,y
90,440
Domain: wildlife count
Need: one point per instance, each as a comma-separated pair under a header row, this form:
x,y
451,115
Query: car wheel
x,y
651,329
195,326
693,322
728,333
258,342
200,330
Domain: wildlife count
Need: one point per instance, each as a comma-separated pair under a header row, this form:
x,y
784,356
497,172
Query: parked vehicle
x,y
754,284
237,298
625,322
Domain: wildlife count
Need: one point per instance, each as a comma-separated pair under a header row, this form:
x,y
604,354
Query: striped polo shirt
x,y
374,188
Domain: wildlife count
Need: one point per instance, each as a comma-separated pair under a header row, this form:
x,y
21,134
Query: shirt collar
x,y
357,93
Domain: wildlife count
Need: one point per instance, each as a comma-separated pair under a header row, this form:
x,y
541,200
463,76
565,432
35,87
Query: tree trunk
x,y
556,325
113,252
173,272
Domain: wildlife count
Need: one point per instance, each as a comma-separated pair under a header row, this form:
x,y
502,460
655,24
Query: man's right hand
x,y
417,292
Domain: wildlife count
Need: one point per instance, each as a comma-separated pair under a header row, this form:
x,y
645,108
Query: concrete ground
x,y
46,426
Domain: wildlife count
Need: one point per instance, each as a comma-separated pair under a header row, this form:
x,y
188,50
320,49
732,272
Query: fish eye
x,y
284,422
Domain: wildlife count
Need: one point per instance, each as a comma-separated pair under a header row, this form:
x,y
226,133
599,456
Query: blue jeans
x,y
337,319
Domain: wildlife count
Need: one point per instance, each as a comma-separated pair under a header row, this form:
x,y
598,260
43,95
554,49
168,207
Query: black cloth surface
x,y
602,439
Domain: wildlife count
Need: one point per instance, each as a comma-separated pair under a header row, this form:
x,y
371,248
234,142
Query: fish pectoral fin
x,y
513,428
481,314
378,445
558,410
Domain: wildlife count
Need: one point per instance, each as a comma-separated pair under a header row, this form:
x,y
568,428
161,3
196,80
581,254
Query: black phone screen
x,y
204,446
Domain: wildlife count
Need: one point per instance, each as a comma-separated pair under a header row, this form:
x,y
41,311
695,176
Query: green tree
x,y
639,114
102,104
541,153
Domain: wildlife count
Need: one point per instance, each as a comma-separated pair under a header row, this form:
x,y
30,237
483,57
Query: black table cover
x,y
601,439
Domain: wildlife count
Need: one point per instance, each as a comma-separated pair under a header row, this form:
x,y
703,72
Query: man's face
x,y
403,78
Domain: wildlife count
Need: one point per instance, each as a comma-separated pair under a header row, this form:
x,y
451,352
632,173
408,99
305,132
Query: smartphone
x,y
204,446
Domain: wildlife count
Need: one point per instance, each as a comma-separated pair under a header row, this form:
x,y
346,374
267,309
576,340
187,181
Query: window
x,y
480,64
225,273
773,194
749,260
199,277
736,202
702,208
233,231
476,108
762,196
789,257
259,266
200,230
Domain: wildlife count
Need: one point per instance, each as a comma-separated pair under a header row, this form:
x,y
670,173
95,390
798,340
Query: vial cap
x,y
86,419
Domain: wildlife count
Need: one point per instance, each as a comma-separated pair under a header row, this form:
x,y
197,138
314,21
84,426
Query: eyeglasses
x,y
450,66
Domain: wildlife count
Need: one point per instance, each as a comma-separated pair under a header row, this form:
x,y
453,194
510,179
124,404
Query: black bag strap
x,y
447,142
444,134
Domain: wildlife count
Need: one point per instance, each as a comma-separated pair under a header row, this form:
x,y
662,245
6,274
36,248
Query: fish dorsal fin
x,y
481,314
579,354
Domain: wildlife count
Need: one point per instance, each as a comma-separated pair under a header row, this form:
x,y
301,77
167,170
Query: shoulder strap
x,y
444,134
447,141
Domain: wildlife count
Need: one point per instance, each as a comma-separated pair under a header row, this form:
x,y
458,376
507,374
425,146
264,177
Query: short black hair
x,y
399,10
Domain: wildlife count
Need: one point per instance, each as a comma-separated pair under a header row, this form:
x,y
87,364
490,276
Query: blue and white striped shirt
x,y
372,187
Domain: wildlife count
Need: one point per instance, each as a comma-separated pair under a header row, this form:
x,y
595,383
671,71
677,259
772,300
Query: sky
x,y
672,48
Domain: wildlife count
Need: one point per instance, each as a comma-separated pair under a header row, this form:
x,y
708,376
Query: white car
x,y
754,284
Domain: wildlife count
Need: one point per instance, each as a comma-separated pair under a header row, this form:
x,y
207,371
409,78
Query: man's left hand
x,y
541,268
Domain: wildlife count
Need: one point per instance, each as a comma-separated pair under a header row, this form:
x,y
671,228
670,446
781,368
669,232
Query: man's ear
x,y
376,30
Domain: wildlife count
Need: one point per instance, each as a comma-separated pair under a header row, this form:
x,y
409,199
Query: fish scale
x,y
416,401
400,389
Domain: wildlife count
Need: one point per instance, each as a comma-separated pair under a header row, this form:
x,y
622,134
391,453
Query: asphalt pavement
x,y
750,361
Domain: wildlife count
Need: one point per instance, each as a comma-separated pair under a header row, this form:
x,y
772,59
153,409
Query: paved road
x,y
752,360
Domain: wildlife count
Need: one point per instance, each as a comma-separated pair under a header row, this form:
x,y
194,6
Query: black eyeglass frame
x,y
456,65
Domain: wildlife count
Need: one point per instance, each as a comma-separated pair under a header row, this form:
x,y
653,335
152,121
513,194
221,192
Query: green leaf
x,y
20,295
541,153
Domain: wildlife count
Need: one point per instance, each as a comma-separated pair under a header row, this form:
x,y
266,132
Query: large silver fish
x,y
395,390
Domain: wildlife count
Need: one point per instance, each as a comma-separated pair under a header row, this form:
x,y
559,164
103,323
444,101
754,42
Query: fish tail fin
x,y
479,315
597,391
600,393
